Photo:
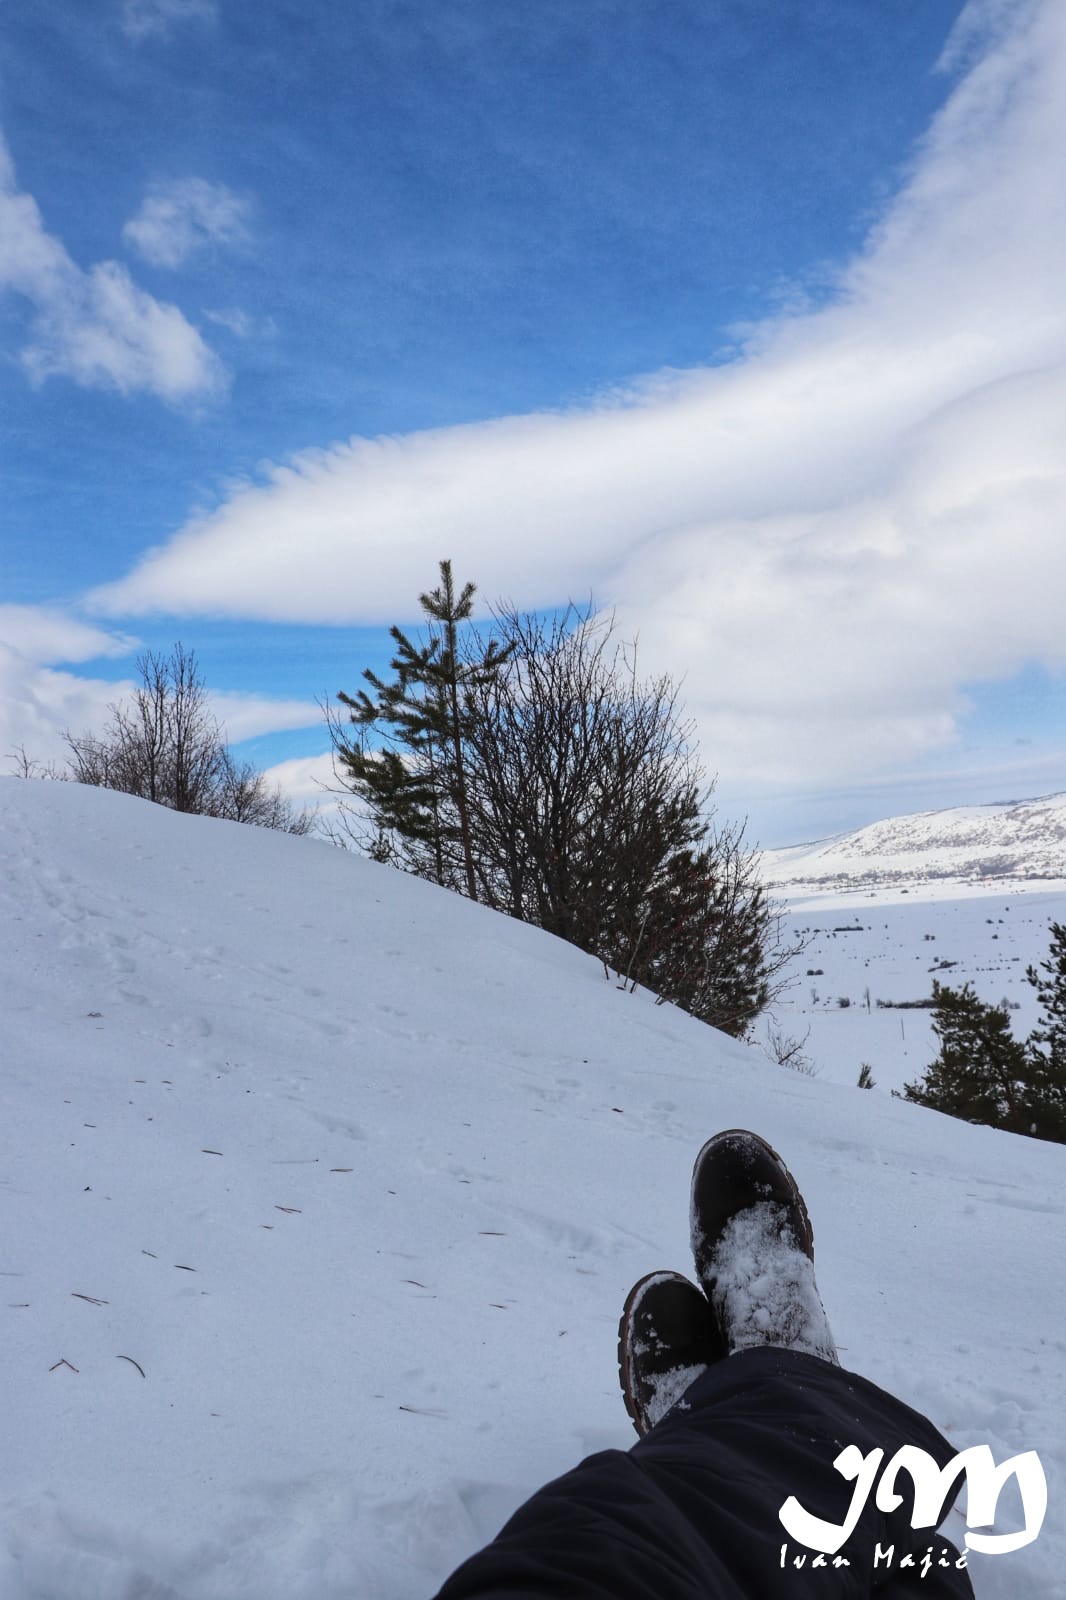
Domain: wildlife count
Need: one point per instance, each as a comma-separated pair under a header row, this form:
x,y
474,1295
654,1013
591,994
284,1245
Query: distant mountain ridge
x,y
1011,841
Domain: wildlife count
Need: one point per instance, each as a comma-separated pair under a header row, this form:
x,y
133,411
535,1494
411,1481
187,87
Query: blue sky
x,y
745,318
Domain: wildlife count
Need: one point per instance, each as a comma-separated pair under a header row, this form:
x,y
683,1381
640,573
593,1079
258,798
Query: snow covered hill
x,y
1016,841
322,1189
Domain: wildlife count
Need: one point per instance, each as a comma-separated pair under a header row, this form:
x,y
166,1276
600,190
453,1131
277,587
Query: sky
x,y
743,320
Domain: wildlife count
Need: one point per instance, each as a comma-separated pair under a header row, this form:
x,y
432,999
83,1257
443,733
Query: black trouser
x,y
691,1512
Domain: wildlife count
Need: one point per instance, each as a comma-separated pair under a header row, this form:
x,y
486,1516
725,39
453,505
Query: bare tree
x,y
579,774
165,745
591,818
27,766
162,743
243,795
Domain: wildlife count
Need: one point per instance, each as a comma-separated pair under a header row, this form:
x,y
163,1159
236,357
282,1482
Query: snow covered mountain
x,y
1015,841
322,1189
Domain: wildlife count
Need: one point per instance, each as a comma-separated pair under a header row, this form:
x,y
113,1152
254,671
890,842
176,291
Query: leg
x,y
692,1511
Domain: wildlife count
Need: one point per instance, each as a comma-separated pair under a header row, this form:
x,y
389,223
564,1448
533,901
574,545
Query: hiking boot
x,y
667,1338
754,1248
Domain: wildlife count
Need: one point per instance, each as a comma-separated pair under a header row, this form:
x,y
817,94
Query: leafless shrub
x,y
165,745
788,1051
27,766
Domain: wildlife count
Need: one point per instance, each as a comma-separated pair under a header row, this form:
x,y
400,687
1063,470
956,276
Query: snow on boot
x,y
667,1338
754,1248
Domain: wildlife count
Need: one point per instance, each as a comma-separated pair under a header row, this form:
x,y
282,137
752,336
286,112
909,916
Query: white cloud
x,y
830,536
245,716
184,215
979,25
241,325
142,19
96,327
306,780
38,703
43,633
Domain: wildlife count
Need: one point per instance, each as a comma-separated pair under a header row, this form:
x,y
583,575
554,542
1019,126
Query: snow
x,y
882,947
668,1389
765,1290
1014,842
358,1175
964,895
664,1389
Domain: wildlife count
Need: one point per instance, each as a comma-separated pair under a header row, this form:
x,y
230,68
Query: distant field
x,y
889,945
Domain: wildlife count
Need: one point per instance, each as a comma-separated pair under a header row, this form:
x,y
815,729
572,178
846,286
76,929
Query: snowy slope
x,y
358,1174
1016,841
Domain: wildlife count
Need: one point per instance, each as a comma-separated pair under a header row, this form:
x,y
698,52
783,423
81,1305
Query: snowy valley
x,y
958,896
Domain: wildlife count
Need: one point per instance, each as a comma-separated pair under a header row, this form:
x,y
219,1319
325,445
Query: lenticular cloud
x,y
842,526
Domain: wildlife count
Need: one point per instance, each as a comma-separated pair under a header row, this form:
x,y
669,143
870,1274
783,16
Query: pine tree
x,y
408,763
707,937
396,778
1046,1046
1050,1036
982,1072
447,678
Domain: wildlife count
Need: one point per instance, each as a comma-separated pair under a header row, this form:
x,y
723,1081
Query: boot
x,y
754,1248
667,1338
